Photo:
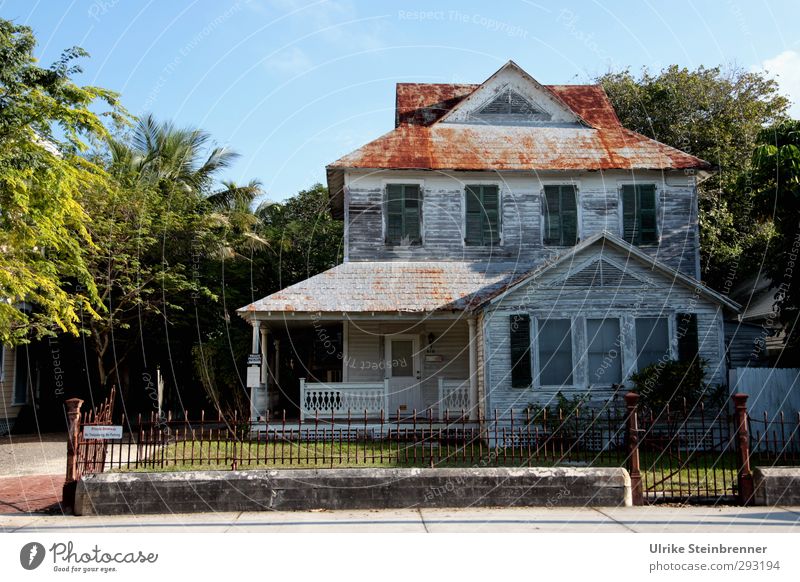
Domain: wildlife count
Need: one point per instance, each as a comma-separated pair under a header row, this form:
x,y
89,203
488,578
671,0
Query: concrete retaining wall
x,y
205,491
777,485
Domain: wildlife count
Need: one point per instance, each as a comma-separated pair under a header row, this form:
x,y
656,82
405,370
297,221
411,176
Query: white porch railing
x,y
340,398
453,398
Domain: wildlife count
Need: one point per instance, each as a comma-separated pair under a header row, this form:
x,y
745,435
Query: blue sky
x,y
294,84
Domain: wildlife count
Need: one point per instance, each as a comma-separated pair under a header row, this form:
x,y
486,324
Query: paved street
x,y
648,519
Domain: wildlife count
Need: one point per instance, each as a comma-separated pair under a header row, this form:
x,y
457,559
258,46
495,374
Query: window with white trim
x,y
652,341
554,344
604,351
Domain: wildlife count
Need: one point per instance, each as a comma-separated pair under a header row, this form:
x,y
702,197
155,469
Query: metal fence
x,y
674,454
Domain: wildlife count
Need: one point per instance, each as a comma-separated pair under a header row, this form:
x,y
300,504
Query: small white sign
x,y
253,376
102,431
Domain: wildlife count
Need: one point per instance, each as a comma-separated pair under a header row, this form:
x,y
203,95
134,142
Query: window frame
x,y
621,185
482,184
420,184
620,348
670,318
535,322
543,217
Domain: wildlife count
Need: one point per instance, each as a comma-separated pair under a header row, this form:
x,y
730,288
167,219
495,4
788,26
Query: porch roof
x,y
417,286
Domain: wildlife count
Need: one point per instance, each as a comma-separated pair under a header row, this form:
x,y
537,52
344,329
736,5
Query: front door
x,y
403,371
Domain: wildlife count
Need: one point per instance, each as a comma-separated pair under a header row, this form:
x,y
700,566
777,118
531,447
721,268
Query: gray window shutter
x,y
520,351
551,210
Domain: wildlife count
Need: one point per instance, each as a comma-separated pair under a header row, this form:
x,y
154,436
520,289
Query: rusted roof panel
x,y
392,286
450,146
424,103
418,142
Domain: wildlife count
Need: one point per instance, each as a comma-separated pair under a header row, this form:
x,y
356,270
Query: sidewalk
x,y
577,520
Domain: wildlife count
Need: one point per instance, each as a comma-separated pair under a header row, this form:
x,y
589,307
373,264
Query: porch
x,y
389,367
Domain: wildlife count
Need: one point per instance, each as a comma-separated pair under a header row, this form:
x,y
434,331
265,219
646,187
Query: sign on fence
x,y
103,432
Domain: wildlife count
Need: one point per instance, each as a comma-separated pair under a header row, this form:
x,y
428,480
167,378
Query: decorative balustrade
x,y
339,399
453,398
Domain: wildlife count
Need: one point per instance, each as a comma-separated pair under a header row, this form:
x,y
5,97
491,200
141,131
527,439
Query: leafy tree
x,y
153,227
776,183
46,120
716,115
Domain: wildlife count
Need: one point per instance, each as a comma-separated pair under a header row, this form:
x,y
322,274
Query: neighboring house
x,y
14,383
504,242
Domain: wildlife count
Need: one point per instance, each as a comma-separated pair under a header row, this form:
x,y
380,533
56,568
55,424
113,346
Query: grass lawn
x,y
701,474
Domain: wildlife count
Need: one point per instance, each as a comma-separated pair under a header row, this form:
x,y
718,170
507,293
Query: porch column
x,y
473,369
251,383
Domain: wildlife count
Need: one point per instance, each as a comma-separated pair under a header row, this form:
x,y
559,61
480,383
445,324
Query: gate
x,y
688,455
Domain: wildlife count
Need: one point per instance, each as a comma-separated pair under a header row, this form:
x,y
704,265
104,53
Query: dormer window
x,y
512,106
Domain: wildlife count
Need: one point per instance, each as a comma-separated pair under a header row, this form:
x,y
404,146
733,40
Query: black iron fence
x,y
677,453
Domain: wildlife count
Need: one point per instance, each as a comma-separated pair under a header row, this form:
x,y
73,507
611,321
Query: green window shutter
x,y
629,214
520,351
473,234
688,341
394,213
639,224
647,214
491,215
482,214
403,214
560,215
569,216
551,210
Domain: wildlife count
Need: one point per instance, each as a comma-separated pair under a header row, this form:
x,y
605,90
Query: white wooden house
x,y
505,241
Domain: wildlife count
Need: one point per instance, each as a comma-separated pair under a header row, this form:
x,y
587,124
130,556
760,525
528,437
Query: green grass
x,y
700,474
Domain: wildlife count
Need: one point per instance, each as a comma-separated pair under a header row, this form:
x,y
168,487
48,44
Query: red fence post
x,y
631,404
73,406
745,476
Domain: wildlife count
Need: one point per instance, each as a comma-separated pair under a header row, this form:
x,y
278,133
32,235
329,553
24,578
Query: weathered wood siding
x,y
365,358
521,224
546,297
747,344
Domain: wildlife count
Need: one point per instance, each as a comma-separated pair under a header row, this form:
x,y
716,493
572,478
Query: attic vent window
x,y
511,104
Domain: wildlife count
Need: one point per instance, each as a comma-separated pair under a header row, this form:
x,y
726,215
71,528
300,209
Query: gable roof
x,y
423,140
607,238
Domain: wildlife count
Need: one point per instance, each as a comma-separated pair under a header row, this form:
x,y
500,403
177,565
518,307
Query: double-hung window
x,y
403,214
652,341
482,215
639,214
554,341
560,210
604,348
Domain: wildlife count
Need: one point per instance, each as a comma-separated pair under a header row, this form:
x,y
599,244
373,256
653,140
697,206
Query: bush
x,y
672,382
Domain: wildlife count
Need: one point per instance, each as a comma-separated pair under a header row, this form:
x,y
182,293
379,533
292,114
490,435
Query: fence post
x,y
631,404
745,476
73,406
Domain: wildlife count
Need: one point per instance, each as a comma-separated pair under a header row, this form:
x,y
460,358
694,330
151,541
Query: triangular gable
x,y
512,96
633,253
601,272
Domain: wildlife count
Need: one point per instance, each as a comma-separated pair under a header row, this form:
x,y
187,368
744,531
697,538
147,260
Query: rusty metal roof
x,y
426,103
418,142
450,146
392,286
